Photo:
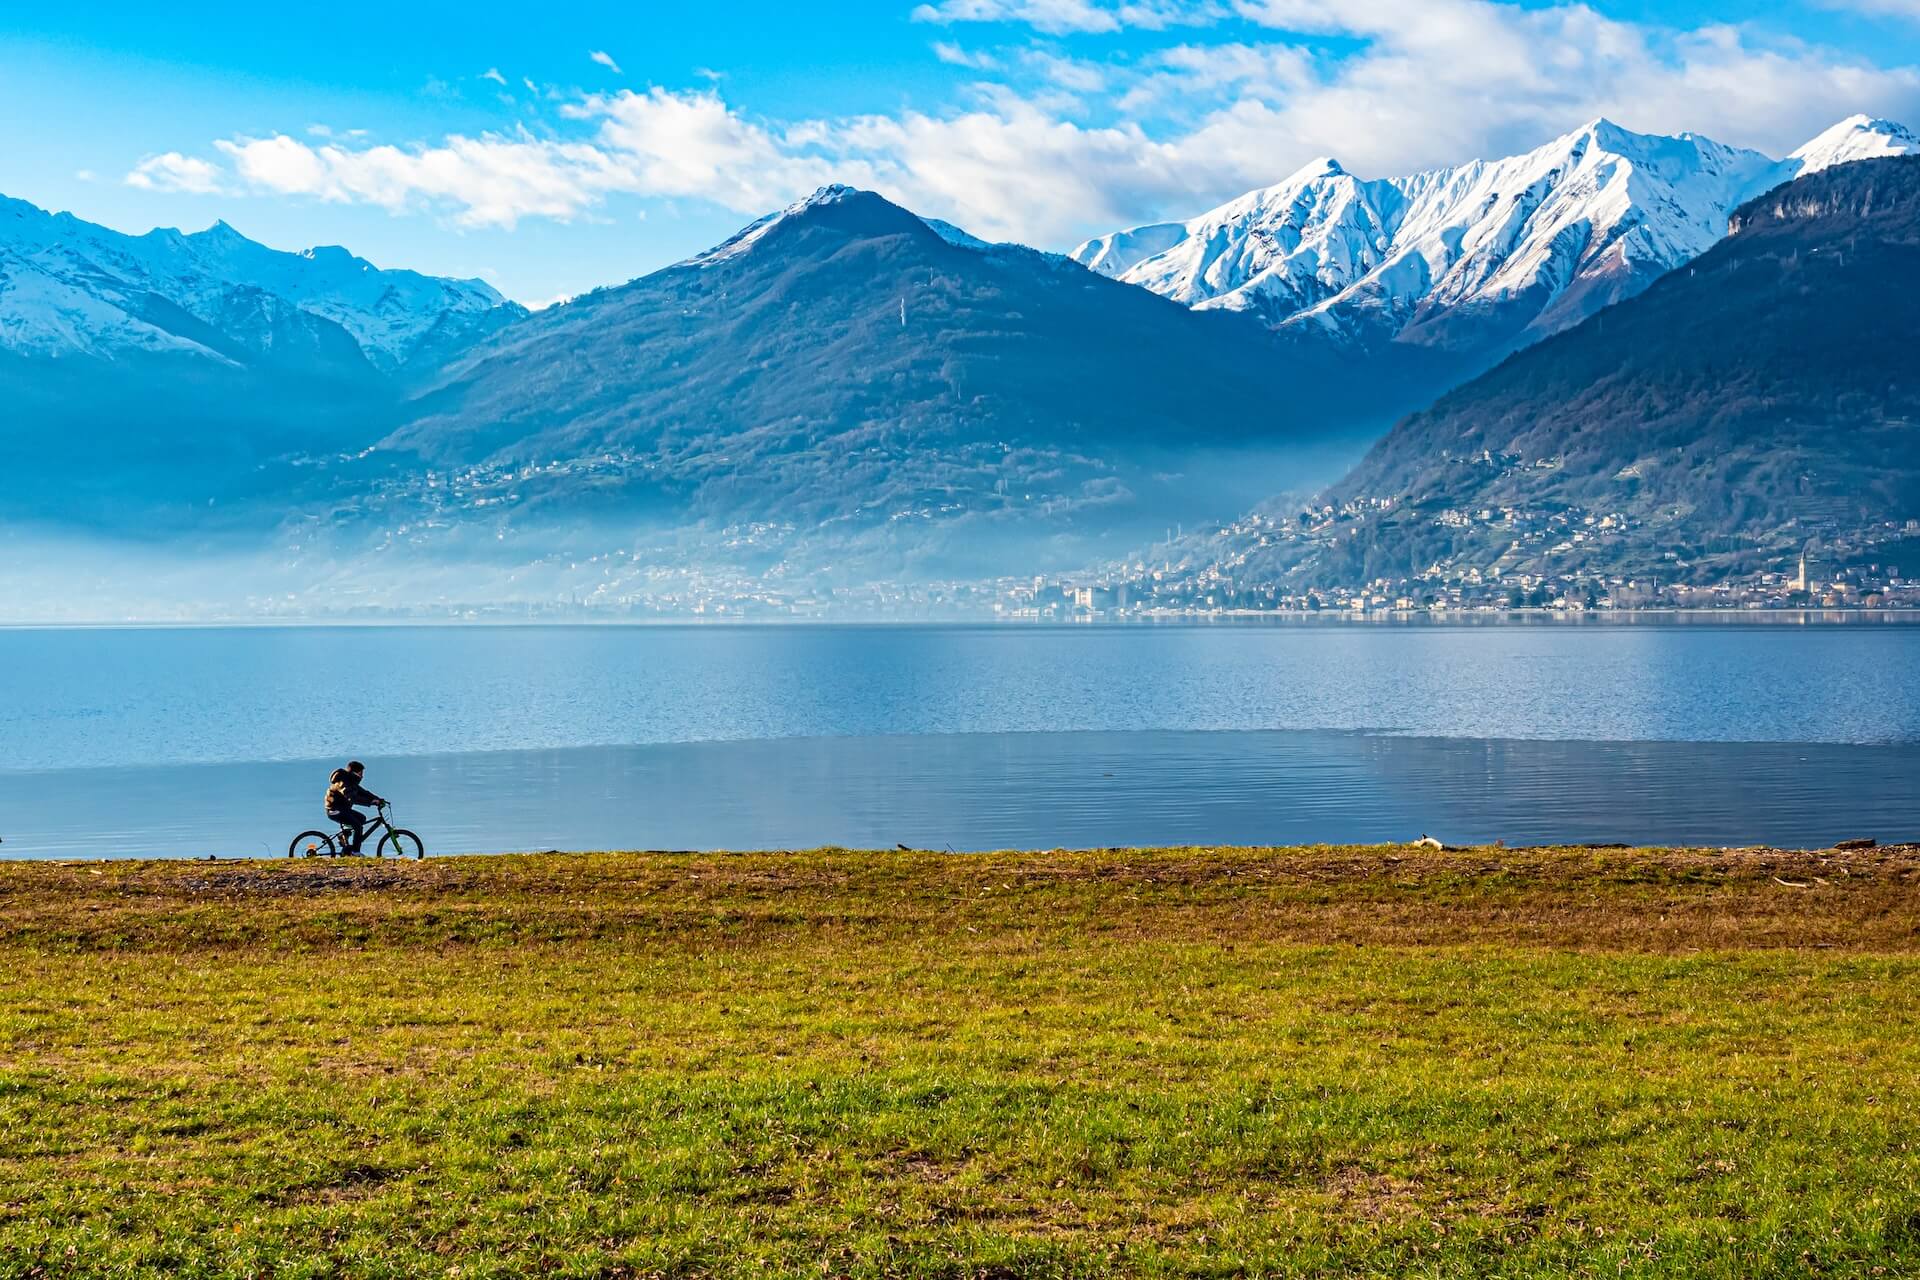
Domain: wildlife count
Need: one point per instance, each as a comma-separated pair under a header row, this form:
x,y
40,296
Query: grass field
x,y
1387,1062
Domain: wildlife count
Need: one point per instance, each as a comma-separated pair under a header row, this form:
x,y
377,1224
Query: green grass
x,y
1186,1062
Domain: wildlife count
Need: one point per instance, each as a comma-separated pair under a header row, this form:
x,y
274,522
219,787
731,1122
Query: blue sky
x,y
479,139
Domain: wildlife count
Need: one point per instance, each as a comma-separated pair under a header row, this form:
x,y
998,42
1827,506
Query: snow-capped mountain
x,y
1483,256
68,286
1855,138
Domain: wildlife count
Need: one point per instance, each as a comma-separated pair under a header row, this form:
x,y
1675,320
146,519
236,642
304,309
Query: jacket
x,y
344,791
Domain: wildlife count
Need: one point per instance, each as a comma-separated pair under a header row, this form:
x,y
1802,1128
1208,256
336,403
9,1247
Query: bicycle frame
x,y
368,831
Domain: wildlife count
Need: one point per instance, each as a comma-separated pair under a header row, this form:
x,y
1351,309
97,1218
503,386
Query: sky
x,y
551,148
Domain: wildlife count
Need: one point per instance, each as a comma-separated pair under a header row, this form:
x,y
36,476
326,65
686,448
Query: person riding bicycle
x,y
343,792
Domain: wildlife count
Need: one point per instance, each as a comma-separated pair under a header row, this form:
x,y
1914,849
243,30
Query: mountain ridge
x,y
1484,256
73,287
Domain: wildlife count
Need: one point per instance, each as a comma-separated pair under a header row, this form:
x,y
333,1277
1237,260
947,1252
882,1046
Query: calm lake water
x,y
191,741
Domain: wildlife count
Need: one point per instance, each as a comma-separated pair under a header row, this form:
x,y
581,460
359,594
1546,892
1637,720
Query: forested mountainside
x,y
844,388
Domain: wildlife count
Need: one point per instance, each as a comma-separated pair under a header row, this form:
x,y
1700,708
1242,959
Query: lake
x,y
132,742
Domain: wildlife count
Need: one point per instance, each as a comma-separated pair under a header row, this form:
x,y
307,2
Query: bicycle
x,y
339,844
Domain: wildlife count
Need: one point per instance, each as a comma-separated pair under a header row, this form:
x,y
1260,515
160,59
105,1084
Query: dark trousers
x,y
351,818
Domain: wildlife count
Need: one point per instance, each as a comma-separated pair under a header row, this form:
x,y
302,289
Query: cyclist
x,y
343,792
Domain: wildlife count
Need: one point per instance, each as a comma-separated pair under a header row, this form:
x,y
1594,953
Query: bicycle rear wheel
x,y
312,844
401,843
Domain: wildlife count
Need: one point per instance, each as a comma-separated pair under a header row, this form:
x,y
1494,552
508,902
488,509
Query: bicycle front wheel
x,y
312,844
401,843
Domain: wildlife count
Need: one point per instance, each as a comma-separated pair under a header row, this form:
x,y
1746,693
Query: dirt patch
x,y
256,882
355,1182
1374,1197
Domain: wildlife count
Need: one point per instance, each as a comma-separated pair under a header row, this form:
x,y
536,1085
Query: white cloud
x,y
605,59
173,171
1443,80
956,56
1011,171
1203,75
1064,17
1075,75
1064,146
693,144
659,144
493,74
1007,168
1056,17
485,181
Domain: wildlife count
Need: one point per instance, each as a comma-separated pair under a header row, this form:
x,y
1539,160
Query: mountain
x,y
1478,259
844,395
1760,399
843,389
1855,138
71,287
145,377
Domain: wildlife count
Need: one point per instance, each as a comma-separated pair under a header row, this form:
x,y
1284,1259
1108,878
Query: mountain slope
x,y
1483,257
1762,397
866,394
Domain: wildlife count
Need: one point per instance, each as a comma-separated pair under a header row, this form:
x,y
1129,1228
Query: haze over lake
x,y
192,741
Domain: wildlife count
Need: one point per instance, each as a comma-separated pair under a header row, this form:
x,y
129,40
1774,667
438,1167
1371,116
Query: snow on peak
x,y
70,285
751,234
1859,137
1318,167
1520,246
338,255
871,214
740,241
1119,252
832,193
956,236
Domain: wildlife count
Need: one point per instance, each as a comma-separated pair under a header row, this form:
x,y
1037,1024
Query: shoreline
x,y
1389,854
1908,615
